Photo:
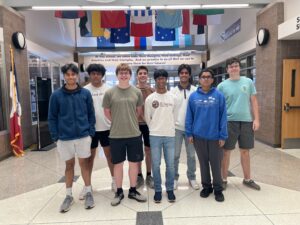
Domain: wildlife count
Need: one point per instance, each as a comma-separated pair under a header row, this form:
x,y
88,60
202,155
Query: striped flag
x,y
141,23
182,41
142,43
16,140
96,24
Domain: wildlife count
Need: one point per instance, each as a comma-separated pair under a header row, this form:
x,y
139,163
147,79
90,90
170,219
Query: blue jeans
x,y
190,155
167,144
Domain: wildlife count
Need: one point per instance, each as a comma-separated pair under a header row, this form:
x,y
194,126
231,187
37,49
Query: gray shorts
x,y
81,147
241,132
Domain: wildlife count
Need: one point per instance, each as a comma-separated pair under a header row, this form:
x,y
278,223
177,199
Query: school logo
x,y
155,104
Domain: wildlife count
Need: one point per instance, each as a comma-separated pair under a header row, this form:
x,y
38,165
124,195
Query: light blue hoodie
x,y
206,115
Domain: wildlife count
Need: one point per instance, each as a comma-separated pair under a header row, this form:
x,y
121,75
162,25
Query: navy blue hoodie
x,y
71,114
206,115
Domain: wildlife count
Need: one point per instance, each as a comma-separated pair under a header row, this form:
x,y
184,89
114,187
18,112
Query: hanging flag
x,y
200,20
121,35
164,34
200,29
69,14
188,27
214,19
169,18
182,41
83,25
103,42
113,19
16,140
96,24
141,23
142,43
208,11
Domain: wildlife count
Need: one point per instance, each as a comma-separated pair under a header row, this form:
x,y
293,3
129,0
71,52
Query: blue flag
x,y
121,35
164,34
103,43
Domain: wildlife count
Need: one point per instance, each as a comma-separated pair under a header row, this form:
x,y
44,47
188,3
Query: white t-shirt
x,y
182,98
102,123
159,114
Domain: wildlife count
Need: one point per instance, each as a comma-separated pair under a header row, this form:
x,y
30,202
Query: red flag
x,y
113,19
16,140
141,23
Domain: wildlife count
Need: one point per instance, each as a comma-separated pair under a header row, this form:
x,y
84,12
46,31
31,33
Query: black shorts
x,y
132,147
145,133
241,132
101,136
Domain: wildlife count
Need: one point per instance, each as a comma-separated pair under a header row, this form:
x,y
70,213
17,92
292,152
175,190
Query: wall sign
x,y
231,30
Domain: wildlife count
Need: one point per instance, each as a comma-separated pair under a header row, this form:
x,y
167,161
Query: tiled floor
x,y
30,194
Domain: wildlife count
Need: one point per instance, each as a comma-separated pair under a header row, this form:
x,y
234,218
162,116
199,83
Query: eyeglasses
x,y
206,78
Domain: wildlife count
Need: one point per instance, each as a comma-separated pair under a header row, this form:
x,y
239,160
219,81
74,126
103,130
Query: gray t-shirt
x,y
122,104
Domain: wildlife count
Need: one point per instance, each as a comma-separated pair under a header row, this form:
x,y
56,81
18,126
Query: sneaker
x,y
150,181
89,201
137,196
66,205
139,182
219,196
117,199
194,184
205,192
113,186
82,194
175,184
224,184
171,196
157,197
251,184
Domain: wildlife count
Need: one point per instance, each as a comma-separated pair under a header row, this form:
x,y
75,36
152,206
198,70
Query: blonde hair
x,y
123,67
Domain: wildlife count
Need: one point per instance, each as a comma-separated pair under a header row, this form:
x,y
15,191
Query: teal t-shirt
x,y
237,94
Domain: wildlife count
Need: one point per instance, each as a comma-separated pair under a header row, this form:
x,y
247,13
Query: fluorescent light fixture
x,y
223,6
158,7
183,6
108,7
138,7
66,8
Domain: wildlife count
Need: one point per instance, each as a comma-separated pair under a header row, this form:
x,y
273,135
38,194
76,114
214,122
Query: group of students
x,y
129,121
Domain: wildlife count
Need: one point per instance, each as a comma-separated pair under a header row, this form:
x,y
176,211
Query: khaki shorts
x,y
81,147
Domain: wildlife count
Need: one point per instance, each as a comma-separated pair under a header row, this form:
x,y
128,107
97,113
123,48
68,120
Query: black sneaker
x,y
205,192
117,199
171,196
137,196
219,196
157,197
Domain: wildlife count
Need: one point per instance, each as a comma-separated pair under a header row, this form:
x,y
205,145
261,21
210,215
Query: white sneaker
x,y
113,186
82,194
175,184
194,184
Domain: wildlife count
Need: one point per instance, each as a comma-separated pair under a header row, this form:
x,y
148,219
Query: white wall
x,y
241,42
291,9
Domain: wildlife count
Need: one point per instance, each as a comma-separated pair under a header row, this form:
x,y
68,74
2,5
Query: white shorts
x,y
81,147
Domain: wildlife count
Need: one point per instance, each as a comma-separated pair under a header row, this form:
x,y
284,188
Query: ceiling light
x,y
183,6
222,6
158,7
66,8
108,7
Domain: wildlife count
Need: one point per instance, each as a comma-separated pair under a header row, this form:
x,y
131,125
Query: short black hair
x,y
160,73
96,68
185,66
141,68
69,66
208,71
232,60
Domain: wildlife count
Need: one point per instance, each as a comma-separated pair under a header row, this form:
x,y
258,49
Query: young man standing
x,y
159,115
243,119
122,105
142,84
206,127
182,93
72,124
98,88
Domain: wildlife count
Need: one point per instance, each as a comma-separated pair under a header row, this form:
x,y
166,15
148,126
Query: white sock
x,y
88,189
69,191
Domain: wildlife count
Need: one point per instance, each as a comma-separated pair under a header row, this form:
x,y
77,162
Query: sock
x,y
88,189
132,189
247,180
140,174
69,191
120,191
148,174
